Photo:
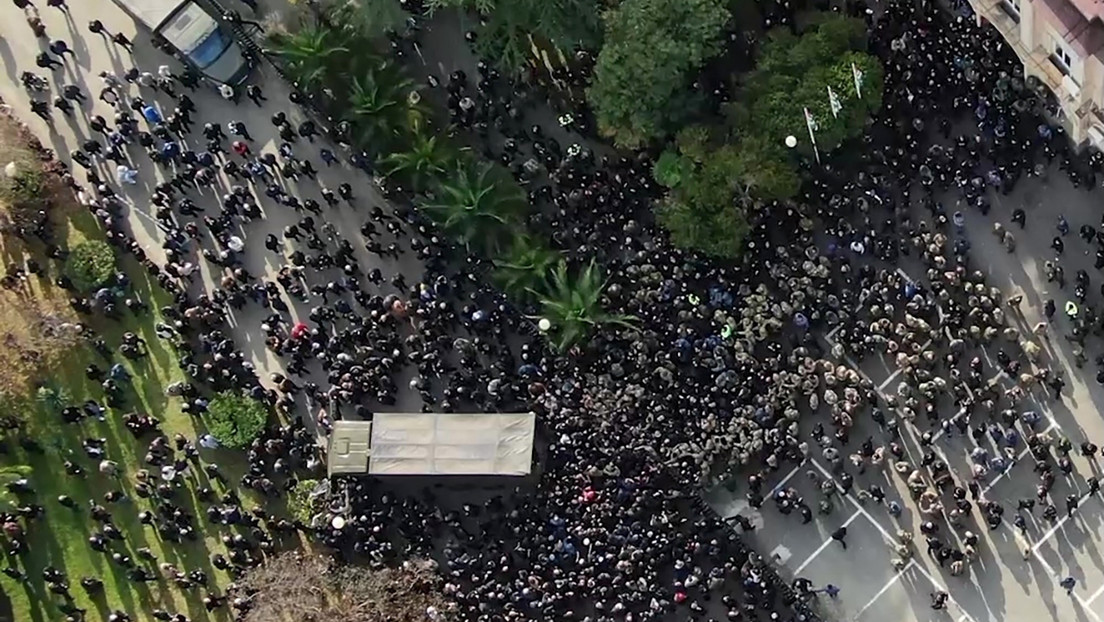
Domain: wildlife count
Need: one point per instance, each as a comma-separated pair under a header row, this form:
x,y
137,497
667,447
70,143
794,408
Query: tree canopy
x,y
295,586
652,51
236,419
715,172
510,27
713,178
795,73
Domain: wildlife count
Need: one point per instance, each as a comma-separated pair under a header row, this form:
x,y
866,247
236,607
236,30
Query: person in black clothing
x,y
42,109
254,93
839,535
121,40
63,105
96,27
44,61
61,48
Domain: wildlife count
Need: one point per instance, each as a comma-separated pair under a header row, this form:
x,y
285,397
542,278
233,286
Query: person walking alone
x,y
839,535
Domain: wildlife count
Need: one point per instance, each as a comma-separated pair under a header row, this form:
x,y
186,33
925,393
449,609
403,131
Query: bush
x,y
39,332
236,420
91,264
24,198
300,504
53,398
27,186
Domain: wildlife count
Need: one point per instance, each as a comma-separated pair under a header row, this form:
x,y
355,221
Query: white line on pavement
x,y
1055,576
1062,521
1092,597
823,546
789,475
1019,457
939,586
890,538
889,584
940,433
889,380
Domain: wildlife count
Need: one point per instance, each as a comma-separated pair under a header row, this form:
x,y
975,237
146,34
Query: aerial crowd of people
x,y
727,371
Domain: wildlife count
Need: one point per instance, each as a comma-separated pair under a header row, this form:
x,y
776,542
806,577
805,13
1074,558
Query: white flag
x,y
811,123
858,75
834,103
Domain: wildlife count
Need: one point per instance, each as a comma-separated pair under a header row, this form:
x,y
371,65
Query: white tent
x,y
348,447
451,444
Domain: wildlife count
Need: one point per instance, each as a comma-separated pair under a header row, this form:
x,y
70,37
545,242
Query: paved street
x,y
1003,585
18,48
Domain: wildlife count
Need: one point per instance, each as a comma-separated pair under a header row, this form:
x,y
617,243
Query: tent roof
x,y
349,447
451,444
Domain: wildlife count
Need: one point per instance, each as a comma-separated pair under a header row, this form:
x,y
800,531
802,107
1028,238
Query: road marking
x,y
891,539
1055,576
885,588
1060,523
889,380
1019,457
824,545
940,433
782,483
939,586
1092,597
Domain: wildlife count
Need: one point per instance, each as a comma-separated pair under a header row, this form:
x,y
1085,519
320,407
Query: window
x,y
1012,8
1061,57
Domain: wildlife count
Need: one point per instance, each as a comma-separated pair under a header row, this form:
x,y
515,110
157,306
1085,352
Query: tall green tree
x,y
714,179
383,108
652,51
794,74
572,302
312,54
370,18
524,266
426,159
515,27
510,28
478,204
702,211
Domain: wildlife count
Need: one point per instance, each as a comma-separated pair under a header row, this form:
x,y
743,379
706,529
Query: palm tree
x,y
427,159
525,266
312,55
574,305
383,106
477,204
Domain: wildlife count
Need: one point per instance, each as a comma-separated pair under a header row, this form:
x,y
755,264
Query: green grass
x,y
60,537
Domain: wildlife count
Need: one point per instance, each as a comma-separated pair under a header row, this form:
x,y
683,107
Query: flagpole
x,y
812,137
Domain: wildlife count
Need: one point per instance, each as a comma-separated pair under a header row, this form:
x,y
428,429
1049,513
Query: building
x,y
1061,43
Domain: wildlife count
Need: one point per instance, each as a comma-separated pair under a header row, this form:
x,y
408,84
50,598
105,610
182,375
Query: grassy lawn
x,y
59,538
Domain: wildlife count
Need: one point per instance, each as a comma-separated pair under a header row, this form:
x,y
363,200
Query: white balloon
x,y
791,141
544,324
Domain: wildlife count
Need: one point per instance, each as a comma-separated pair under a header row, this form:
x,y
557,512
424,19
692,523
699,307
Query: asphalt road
x,y
93,54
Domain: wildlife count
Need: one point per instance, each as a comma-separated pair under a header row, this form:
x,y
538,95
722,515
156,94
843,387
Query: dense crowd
x,y
724,366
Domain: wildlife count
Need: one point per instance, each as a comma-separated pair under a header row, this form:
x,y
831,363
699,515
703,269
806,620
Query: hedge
x,y
300,504
91,264
235,419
